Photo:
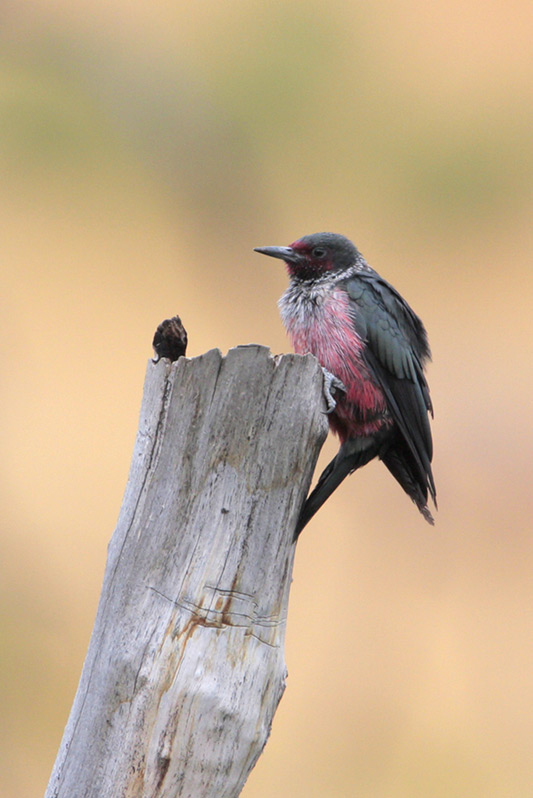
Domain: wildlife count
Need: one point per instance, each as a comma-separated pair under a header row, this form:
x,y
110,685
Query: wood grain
x,y
186,666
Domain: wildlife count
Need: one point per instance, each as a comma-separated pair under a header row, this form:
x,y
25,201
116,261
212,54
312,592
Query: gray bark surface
x,y
185,666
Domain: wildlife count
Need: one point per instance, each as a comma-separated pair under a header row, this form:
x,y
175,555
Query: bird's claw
x,y
331,384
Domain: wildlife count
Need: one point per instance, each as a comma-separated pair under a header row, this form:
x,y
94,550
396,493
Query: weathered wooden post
x,y
185,666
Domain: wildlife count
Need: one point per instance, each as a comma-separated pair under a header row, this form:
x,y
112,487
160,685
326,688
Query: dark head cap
x,y
314,255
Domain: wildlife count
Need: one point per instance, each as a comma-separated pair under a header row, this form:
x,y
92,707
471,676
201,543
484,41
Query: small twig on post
x,y
185,666
170,339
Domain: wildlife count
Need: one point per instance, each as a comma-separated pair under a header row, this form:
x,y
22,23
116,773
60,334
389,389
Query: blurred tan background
x,y
145,148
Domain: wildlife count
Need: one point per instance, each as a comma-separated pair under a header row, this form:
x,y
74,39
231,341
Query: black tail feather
x,y
415,482
416,479
335,472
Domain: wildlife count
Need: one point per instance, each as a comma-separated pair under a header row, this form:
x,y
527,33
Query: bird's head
x,y
312,256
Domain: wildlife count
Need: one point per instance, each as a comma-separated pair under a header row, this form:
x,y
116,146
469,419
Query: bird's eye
x,y
319,252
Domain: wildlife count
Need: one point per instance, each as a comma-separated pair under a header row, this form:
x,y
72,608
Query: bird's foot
x,y
332,385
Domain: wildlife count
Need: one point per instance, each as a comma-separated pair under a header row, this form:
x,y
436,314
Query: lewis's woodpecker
x,y
364,334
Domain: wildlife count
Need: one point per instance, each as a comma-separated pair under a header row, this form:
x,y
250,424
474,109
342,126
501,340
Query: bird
x,y
373,349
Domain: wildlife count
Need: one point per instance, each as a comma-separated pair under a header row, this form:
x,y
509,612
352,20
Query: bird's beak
x,y
284,253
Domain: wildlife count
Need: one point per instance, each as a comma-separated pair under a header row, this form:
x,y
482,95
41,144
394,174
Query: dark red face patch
x,y
311,265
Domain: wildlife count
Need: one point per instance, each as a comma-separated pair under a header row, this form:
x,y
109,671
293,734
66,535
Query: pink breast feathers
x,y
328,332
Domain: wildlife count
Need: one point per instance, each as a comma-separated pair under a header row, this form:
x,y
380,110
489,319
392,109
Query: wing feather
x,y
396,351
